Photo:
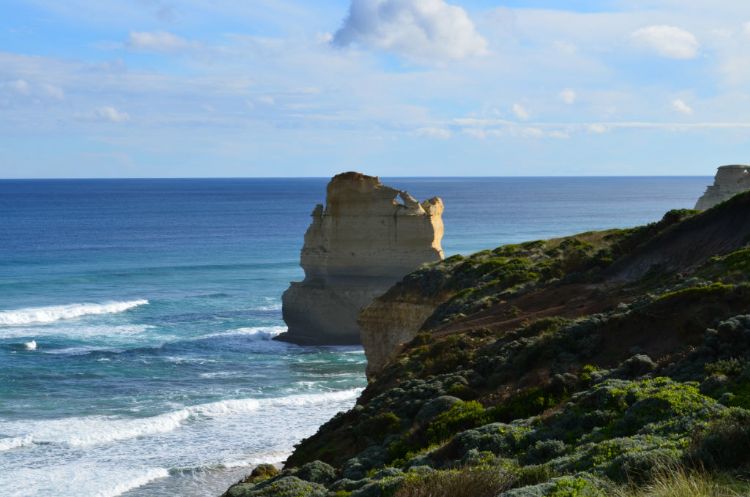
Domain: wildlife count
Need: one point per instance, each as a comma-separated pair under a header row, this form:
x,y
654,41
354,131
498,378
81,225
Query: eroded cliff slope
x,y
584,366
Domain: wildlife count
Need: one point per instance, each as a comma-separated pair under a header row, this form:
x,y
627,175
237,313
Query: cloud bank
x,y
423,30
668,41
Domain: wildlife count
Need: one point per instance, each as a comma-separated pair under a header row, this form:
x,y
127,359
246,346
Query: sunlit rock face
x,y
729,181
365,239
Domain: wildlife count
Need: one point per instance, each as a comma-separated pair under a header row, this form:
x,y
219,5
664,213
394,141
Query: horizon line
x,y
120,178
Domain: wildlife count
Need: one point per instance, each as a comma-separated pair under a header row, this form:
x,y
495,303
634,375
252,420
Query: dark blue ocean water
x,y
136,317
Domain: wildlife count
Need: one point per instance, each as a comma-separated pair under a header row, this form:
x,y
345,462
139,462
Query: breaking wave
x,y
15,443
50,314
96,430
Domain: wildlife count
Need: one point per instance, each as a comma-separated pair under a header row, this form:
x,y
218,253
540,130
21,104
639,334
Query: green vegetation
x,y
468,482
599,367
461,416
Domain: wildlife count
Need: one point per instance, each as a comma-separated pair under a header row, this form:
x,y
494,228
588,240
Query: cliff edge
x,y
366,238
729,181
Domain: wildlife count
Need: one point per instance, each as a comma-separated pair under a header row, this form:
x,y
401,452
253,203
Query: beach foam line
x,y
79,478
135,482
50,314
97,430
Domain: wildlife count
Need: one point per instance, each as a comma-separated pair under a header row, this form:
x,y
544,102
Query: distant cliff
x,y
362,242
729,181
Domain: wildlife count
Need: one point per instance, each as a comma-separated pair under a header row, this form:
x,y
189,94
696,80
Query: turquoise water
x,y
136,318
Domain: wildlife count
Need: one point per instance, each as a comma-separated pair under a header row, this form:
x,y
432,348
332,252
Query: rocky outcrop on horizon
x,y
363,241
729,181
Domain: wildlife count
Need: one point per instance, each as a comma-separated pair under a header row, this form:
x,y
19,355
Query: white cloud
x,y
568,96
110,114
682,107
520,111
24,88
19,86
597,128
52,91
668,41
432,132
746,28
158,41
425,30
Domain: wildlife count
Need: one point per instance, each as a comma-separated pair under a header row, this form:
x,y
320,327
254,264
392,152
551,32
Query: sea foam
x,y
15,442
97,430
134,482
77,478
50,314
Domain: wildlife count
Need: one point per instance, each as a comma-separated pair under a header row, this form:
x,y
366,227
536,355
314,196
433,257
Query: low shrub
x,y
724,443
473,482
461,416
380,426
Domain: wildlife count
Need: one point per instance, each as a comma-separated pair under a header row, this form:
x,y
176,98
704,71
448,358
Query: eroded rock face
x,y
365,239
391,321
729,181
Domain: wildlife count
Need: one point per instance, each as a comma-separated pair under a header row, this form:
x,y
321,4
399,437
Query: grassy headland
x,y
609,363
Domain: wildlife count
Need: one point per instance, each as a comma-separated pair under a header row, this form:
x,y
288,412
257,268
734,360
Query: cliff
x,y
582,366
729,181
357,246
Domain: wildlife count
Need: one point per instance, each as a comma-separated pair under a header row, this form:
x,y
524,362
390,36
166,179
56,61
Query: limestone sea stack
x,y
366,238
729,181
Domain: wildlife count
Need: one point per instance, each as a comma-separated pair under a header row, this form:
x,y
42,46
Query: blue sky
x,y
160,88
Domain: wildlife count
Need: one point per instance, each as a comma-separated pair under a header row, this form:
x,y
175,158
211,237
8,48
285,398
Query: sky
x,y
226,88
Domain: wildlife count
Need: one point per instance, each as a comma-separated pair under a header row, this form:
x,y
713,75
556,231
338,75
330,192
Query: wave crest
x,y
50,314
97,430
15,443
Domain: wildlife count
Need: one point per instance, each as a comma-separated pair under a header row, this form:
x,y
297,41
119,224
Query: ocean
x,y
137,317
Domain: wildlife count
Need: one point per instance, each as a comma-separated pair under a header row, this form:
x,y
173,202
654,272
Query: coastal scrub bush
x,y
317,472
448,355
568,486
380,426
544,450
582,485
461,416
524,405
382,488
725,442
588,373
499,438
468,482
288,486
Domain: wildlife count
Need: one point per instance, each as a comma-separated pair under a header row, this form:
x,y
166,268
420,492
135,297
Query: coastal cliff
x,y
600,364
729,181
366,238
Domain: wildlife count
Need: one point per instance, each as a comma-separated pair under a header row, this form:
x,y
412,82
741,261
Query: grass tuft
x,y
473,482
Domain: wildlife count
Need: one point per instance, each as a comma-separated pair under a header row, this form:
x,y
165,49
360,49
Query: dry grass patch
x,y
474,482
